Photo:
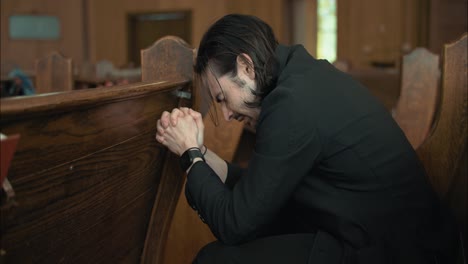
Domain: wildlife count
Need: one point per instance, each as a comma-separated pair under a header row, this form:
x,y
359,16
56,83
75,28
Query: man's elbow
x,y
234,239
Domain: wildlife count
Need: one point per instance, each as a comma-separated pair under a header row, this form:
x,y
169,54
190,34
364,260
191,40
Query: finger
x,y
165,119
160,139
195,114
176,113
185,110
198,118
159,127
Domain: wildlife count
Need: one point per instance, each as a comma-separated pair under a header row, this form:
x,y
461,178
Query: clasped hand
x,y
180,130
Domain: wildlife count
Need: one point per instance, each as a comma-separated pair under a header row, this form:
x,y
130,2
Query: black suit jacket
x,y
328,156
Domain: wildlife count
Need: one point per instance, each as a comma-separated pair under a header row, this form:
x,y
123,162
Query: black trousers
x,y
307,248
293,248
317,248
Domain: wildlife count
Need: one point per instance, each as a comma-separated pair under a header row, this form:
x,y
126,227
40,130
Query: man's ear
x,y
245,65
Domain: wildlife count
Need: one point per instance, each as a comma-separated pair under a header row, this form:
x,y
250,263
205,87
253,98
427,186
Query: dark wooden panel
x,y
68,135
101,243
92,184
444,153
63,203
79,178
144,28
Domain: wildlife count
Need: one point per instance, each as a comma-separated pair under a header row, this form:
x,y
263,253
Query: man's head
x,y
236,61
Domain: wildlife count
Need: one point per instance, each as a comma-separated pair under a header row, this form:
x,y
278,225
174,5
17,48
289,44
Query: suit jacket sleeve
x,y
284,153
234,174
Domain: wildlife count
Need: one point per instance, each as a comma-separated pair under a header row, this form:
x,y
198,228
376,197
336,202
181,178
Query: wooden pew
x,y
444,152
382,83
91,182
54,73
416,105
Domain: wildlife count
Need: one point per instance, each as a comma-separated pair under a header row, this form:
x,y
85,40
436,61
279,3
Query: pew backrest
x,y
419,92
169,58
444,152
54,73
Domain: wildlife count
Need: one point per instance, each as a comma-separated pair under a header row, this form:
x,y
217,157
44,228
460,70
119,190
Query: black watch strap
x,y
188,156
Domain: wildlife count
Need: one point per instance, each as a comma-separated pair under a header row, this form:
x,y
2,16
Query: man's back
x,y
365,184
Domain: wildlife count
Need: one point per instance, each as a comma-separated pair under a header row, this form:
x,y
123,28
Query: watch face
x,y
188,156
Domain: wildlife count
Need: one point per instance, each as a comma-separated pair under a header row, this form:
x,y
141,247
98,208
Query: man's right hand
x,y
172,118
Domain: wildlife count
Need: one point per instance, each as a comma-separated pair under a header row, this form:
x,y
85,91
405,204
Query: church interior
x,y
84,81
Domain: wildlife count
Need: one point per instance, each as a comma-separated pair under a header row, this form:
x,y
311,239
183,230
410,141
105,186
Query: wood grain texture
x,y
72,212
416,106
54,138
54,74
168,58
81,170
92,184
444,153
13,108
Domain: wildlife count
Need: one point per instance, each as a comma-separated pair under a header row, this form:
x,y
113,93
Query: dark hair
x,y
235,34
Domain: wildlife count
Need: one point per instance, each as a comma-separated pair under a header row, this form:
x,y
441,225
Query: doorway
x,y
145,28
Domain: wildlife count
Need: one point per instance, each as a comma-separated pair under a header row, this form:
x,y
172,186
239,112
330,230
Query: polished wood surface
x,y
15,107
85,179
54,74
416,106
91,182
444,153
160,58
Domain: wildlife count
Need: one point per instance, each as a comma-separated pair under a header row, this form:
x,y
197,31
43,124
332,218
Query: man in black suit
x,y
332,178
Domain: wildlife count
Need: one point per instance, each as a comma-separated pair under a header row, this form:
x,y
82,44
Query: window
x,y
34,27
326,30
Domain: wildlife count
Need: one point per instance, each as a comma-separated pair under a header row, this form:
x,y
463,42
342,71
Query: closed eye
x,y
220,99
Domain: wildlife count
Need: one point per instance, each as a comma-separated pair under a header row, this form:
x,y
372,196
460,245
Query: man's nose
x,y
228,114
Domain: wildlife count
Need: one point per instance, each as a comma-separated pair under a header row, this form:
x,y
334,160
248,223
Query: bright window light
x,y
326,30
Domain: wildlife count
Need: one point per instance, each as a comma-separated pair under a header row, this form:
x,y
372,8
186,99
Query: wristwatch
x,y
188,156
